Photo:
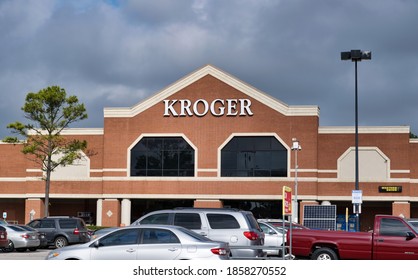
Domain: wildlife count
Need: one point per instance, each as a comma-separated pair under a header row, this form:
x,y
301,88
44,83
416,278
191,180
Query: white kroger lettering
x,y
245,106
205,107
201,107
221,109
185,106
232,107
169,107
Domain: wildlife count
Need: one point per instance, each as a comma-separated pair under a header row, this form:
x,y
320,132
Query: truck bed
x,y
351,245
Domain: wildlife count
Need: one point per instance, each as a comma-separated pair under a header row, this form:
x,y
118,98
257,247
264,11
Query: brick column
x,y
208,203
401,208
111,212
35,206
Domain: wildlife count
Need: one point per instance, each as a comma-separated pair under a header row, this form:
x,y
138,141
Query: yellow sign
x,y
287,201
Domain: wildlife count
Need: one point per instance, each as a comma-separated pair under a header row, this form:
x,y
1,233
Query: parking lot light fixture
x,y
355,56
296,147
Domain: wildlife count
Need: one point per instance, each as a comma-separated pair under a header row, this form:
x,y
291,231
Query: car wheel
x,y
60,242
21,249
33,249
10,247
324,254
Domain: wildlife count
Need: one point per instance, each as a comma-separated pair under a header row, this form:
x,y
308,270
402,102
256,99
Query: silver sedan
x,y
21,239
274,237
146,242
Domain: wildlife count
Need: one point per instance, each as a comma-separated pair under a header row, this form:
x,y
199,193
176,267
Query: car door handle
x,y
173,249
203,233
380,240
130,250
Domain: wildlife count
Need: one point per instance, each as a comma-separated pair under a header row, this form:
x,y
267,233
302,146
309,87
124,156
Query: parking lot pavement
x,y
37,255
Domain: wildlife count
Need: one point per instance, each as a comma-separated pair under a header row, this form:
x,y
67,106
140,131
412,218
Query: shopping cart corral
x,y
255,247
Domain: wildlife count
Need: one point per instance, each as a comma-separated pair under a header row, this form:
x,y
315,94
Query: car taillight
x,y
251,235
25,236
76,231
219,251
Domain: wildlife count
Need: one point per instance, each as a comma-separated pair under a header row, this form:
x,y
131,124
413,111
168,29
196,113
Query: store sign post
x,y
287,201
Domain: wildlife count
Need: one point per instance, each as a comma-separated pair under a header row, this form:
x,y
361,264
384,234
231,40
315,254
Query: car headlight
x,y
53,255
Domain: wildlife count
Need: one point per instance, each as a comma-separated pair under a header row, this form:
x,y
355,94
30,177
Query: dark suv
x,y
61,231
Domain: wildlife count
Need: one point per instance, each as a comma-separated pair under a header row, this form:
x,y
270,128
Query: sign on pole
x,y
287,201
357,196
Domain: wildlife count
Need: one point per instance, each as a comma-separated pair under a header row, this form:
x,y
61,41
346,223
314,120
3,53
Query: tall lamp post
x,y
296,147
355,56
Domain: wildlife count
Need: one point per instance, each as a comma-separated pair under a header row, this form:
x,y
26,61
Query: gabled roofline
x,y
126,112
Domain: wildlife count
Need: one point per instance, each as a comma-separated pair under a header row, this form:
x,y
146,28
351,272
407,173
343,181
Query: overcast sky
x,y
117,53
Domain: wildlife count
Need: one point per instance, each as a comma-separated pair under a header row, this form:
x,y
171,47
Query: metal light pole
x,y
296,147
355,56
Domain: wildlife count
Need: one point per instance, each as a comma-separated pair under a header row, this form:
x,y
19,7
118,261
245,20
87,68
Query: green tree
x,y
49,112
411,135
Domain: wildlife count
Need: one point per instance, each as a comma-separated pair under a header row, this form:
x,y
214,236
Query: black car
x,y
61,231
41,236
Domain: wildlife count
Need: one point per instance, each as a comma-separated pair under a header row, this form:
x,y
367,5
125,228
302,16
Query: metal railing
x,y
261,247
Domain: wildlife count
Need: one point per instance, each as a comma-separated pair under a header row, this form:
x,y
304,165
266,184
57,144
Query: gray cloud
x,y
116,53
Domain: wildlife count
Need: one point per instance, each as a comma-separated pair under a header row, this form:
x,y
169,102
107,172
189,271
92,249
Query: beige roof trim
x,y
222,76
363,129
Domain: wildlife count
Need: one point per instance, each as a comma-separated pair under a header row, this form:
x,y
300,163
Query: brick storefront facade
x,y
212,108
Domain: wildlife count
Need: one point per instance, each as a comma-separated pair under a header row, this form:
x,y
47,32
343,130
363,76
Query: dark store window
x,y
254,156
162,156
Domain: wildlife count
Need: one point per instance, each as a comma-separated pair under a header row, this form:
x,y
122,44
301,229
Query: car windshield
x,y
194,235
414,225
253,222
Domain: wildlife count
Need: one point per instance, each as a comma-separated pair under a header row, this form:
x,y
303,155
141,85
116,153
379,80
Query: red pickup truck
x,y
392,238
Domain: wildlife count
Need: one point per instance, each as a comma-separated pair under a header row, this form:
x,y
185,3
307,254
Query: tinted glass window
x,y
67,223
252,221
155,236
162,156
194,235
47,224
2,228
188,220
264,228
35,224
391,227
161,219
120,237
254,156
222,221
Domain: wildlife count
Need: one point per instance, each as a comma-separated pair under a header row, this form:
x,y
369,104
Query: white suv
x,y
238,228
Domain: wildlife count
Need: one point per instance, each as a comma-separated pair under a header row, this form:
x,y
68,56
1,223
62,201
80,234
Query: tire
x,y
33,249
60,242
20,249
10,247
324,254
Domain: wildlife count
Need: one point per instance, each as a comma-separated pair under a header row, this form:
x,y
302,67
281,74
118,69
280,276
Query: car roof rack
x,y
207,208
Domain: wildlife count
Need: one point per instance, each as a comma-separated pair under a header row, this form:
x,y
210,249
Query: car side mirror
x,y
410,235
96,244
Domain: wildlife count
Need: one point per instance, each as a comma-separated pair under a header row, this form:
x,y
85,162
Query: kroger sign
x,y
218,107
